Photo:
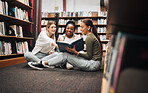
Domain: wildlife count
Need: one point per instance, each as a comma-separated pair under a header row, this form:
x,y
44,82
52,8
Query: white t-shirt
x,y
65,39
43,43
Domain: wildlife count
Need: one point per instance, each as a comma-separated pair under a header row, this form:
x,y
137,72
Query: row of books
x,y
102,21
102,37
121,55
76,14
4,7
11,30
22,47
96,22
2,28
63,21
19,13
104,46
44,22
61,29
99,30
6,47
82,13
13,11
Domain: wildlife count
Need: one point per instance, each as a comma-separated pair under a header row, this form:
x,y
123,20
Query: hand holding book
x,y
72,50
77,44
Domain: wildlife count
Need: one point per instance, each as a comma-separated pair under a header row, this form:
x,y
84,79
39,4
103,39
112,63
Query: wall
x,y
49,5
71,5
82,5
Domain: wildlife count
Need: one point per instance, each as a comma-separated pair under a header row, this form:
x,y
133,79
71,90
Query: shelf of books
x,y
99,19
15,27
126,58
121,58
13,20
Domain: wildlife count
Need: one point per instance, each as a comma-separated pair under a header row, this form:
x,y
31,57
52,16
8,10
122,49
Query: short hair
x,y
69,22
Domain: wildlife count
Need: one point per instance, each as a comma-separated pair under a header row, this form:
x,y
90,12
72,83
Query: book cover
x,y
79,45
11,11
1,8
1,28
1,48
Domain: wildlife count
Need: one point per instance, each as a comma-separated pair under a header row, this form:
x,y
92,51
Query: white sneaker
x,y
69,66
35,65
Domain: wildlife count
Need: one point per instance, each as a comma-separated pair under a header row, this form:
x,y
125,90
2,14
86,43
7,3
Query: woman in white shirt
x,y
45,44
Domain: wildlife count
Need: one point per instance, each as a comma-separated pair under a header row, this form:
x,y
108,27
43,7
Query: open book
x,y
79,45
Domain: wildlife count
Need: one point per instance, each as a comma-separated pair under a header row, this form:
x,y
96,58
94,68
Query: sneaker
x,y
69,66
35,65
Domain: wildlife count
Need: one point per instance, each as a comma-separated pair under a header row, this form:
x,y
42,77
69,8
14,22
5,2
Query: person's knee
x,y
27,55
64,56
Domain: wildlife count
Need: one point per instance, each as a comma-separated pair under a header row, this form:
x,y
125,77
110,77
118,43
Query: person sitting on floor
x,y
89,61
45,44
68,37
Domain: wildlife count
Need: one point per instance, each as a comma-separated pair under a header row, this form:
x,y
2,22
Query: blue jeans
x,y
79,62
29,56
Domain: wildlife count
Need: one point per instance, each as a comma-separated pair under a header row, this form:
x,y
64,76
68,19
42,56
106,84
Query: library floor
x,y
22,79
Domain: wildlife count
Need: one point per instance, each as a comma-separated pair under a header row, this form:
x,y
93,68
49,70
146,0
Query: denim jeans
x,y
29,56
79,62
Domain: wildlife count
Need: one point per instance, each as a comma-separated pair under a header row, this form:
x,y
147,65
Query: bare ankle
x,y
46,62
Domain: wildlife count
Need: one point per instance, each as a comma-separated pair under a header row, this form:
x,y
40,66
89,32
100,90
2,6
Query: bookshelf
x,y
125,66
15,30
99,20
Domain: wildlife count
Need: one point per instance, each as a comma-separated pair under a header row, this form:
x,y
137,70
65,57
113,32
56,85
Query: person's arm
x,y
72,50
44,40
89,48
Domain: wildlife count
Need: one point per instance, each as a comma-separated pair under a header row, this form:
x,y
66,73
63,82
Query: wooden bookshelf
x,y
5,36
13,20
19,4
48,18
15,58
12,61
105,41
11,55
